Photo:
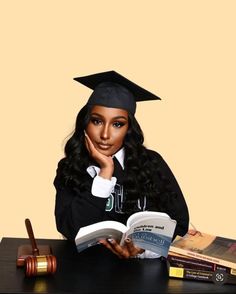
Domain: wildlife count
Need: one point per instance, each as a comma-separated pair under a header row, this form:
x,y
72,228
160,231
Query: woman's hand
x,y
105,162
125,251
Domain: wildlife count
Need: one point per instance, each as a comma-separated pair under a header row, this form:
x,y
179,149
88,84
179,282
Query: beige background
x,y
184,51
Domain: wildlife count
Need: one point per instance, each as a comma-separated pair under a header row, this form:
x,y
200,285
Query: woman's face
x,y
107,128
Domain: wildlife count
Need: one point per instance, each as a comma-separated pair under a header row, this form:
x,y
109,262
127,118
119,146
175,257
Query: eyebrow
x,y
115,117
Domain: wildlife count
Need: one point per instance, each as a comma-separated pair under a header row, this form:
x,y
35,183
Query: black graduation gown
x,y
74,210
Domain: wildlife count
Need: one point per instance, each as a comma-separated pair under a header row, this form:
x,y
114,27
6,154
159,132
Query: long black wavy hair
x,y
139,167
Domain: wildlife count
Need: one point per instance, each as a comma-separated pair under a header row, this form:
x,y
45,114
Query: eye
x,y
118,124
96,121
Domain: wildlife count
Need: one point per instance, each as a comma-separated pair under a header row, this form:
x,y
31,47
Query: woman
x,y
107,173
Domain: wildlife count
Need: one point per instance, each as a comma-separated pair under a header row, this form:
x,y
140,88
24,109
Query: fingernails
x,y
110,240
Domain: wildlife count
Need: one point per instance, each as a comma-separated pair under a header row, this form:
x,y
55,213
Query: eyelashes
x,y
118,124
97,121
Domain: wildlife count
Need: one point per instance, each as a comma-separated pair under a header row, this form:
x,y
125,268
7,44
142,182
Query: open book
x,y
149,230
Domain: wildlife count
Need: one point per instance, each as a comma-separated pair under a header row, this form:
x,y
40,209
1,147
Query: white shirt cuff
x,y
103,187
148,254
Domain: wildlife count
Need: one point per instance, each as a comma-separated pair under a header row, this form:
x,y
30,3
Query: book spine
x,y
203,257
190,274
192,263
218,277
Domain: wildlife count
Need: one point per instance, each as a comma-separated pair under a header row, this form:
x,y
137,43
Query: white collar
x,y
120,156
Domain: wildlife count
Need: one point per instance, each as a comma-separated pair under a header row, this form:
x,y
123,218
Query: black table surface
x,y
95,270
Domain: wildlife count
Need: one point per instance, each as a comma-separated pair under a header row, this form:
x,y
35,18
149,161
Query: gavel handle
x,y
31,237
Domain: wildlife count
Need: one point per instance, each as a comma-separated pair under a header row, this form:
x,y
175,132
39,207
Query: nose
x,y
105,133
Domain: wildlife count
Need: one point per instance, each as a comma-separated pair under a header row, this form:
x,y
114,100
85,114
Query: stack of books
x,y
203,257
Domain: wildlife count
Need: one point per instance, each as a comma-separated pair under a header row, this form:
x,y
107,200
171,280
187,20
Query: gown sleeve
x,y
74,210
176,206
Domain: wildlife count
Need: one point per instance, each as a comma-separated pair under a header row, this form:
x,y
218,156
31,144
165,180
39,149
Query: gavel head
x,y
40,265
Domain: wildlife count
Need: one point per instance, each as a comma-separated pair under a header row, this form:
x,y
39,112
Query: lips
x,y
103,146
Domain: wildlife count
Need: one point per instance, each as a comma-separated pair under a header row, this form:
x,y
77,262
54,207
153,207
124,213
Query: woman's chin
x,y
106,152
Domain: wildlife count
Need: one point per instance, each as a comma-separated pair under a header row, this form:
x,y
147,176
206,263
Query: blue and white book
x,y
149,230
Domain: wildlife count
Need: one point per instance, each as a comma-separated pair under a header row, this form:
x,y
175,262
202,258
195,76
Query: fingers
x,y
105,162
120,251
89,144
133,250
94,153
107,245
91,148
126,251
130,246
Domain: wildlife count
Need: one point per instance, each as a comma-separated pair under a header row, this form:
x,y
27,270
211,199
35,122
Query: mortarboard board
x,y
110,89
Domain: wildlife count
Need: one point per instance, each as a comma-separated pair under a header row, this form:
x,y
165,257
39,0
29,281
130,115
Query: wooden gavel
x,y
36,264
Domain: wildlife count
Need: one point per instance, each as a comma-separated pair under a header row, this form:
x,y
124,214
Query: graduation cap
x,y
110,89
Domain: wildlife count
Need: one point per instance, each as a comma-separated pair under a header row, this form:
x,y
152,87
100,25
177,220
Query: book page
x,y
101,225
93,238
144,214
152,234
90,235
